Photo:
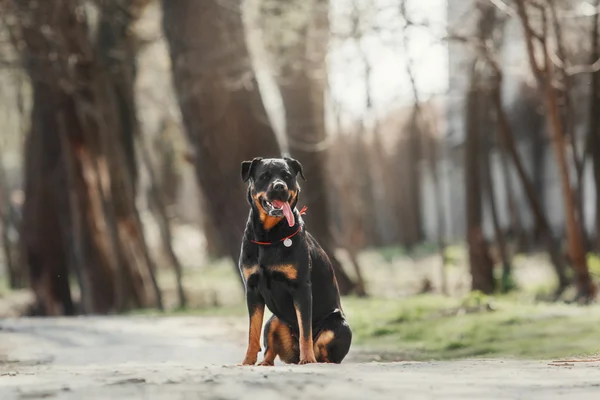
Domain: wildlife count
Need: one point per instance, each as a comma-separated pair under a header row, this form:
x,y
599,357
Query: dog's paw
x,y
266,364
308,360
246,362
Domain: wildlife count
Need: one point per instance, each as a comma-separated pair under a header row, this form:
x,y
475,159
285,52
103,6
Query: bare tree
x,y
433,155
545,75
508,143
488,178
477,117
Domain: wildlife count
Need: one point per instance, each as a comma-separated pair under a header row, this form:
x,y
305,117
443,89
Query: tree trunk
x,y
508,142
593,141
221,105
516,227
498,232
116,49
545,76
585,285
74,99
157,198
482,268
42,235
429,130
301,76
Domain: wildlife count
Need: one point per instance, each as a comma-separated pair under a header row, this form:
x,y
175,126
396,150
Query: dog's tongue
x,y
287,211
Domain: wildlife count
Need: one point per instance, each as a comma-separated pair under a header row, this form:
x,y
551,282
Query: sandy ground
x,y
194,358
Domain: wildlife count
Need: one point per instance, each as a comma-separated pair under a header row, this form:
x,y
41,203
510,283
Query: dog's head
x,y
272,185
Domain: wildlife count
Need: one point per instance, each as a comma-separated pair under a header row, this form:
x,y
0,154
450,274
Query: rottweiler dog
x,y
285,268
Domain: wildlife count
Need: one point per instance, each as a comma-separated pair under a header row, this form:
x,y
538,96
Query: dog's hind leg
x,y
333,341
278,341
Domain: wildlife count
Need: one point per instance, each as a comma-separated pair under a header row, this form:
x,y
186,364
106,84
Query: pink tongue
x,y
287,211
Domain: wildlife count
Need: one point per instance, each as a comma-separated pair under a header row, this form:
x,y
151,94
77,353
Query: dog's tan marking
x,y
307,352
280,343
290,271
267,221
256,321
320,347
293,194
249,270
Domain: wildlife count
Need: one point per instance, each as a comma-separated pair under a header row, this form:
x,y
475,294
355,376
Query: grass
x,y
437,328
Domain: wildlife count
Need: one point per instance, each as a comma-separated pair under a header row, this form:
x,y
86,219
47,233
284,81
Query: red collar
x,y
302,212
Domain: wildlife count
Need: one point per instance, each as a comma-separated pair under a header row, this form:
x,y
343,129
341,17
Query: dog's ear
x,y
295,166
248,168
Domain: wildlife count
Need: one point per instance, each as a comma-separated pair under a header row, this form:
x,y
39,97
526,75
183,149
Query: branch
x,y
505,8
584,69
480,47
529,36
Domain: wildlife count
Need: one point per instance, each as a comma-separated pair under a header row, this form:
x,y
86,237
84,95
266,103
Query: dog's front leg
x,y
256,310
303,306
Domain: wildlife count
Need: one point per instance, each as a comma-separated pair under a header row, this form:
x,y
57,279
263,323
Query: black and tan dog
x,y
285,269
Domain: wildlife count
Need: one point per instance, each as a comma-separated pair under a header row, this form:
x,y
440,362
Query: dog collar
x,y
287,241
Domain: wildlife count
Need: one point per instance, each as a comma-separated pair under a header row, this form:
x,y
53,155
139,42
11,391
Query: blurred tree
x,y
508,141
296,35
509,144
158,204
593,140
80,206
480,262
477,119
16,278
428,130
546,76
221,105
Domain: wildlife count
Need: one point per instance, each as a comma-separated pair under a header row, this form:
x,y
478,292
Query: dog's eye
x,y
286,175
264,176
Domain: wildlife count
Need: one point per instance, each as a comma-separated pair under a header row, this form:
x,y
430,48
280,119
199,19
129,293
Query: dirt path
x,y
192,358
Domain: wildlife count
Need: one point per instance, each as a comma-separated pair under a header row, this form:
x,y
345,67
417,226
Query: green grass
x,y
430,327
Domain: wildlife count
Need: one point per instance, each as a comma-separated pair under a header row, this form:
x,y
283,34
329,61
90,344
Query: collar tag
x,y
287,242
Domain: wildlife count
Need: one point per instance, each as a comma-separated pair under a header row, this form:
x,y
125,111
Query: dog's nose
x,y
279,186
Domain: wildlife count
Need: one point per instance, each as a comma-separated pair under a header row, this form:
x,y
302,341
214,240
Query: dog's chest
x,y
276,291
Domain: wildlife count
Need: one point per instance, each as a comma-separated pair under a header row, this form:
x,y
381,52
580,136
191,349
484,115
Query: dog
x,y
285,269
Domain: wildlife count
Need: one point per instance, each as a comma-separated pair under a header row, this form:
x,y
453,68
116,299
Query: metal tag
x,y
287,242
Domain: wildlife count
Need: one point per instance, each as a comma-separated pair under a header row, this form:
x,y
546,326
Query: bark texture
x,y
221,105
80,214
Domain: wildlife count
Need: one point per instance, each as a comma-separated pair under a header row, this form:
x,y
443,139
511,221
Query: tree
x,y
477,118
498,232
593,140
508,143
545,75
480,262
222,109
431,149
298,59
80,213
